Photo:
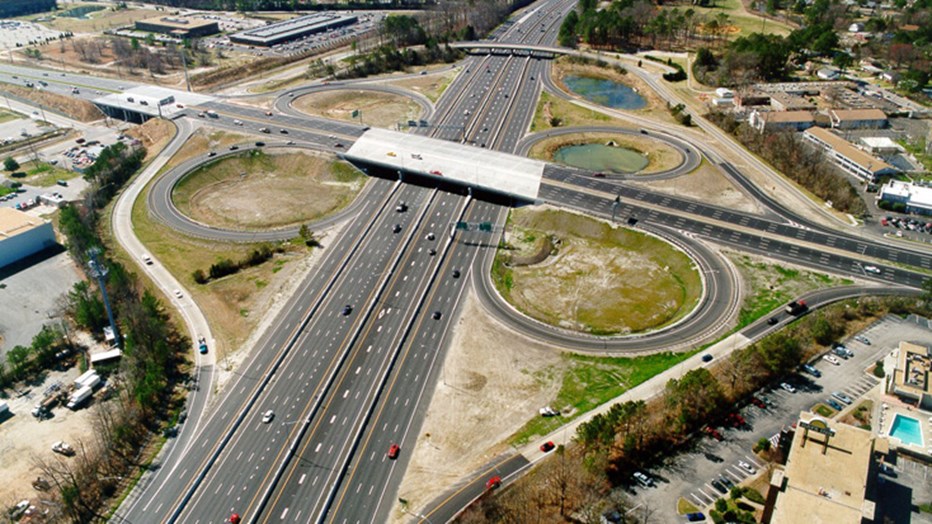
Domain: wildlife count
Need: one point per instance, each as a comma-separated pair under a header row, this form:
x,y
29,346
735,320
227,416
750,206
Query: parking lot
x,y
690,474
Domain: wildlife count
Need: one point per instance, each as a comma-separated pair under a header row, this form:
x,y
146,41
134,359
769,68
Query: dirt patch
x,y
598,279
660,156
200,142
99,20
376,109
707,184
431,86
490,387
81,110
24,438
154,135
260,190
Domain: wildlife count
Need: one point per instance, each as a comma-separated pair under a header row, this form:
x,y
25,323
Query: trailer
x,y
79,396
79,382
91,382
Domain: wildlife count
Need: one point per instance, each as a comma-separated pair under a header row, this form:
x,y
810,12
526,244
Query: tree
x,y
842,61
18,357
10,164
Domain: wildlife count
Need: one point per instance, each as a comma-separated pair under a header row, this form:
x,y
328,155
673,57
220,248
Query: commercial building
x,y
848,157
179,27
917,199
781,120
22,235
910,378
828,478
293,29
12,8
790,102
857,118
881,145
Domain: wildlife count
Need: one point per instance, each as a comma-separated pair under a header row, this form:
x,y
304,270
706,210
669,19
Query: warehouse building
x,y
274,34
22,235
179,27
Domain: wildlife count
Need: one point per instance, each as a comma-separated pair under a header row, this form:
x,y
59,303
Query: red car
x,y
599,175
714,433
758,402
393,451
436,173
547,446
736,420
493,482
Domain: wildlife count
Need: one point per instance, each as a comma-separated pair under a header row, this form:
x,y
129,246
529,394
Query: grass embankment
x,y
97,20
660,156
774,286
597,279
431,86
589,382
43,174
80,110
256,190
376,109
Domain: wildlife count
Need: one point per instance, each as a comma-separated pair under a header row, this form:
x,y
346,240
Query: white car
x,y
787,387
268,416
177,293
872,269
832,359
747,467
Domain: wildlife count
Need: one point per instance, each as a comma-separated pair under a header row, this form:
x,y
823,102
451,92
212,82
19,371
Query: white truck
x,y
78,382
79,396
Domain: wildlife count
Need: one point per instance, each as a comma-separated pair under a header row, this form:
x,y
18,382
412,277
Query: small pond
x,y
80,12
605,92
600,157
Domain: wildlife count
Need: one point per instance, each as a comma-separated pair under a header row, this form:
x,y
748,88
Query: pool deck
x,y
887,410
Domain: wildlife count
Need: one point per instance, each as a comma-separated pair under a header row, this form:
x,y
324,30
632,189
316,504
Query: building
x,y
178,26
828,74
277,33
781,120
857,118
13,8
881,146
910,378
917,199
848,157
22,235
828,478
789,102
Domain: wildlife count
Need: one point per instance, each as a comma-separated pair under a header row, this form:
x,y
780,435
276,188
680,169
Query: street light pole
x,y
615,206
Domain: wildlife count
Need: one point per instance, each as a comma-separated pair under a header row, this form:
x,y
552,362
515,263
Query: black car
x,y
347,309
456,273
212,153
726,481
437,315
707,358
234,148
719,486
396,228
260,144
772,321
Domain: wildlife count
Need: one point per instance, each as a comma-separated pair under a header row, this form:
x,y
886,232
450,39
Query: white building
x,y
22,235
917,199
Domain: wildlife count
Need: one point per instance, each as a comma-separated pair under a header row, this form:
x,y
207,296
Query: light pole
x,y
615,206
100,273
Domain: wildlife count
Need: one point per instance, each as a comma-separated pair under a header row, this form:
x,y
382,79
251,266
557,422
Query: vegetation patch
x,y
375,109
597,279
431,86
660,156
75,108
260,190
44,174
589,382
773,286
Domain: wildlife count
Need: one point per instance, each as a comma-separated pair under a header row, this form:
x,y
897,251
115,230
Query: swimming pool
x,y
907,429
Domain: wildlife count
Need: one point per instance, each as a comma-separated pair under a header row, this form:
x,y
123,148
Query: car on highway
x,y
456,273
260,144
747,467
431,251
268,416
212,154
598,175
268,113
834,404
430,236
493,482
707,358
283,131
437,315
547,446
396,228
832,360
719,486
401,207
202,345
234,148
177,293
147,259
238,122
808,368
872,269
347,309
393,451
264,130
773,321
842,397
787,387
338,145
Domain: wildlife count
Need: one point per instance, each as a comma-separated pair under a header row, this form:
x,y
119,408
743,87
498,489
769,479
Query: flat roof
x,y
14,222
917,195
470,165
826,484
178,22
295,25
865,160
880,141
913,365
858,114
787,116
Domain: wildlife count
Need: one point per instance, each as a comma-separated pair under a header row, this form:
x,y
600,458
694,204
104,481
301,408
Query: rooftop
x,y
826,477
14,222
858,114
917,195
294,25
773,117
469,165
913,365
177,22
842,146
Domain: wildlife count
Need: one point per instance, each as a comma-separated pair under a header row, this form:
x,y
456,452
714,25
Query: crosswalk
x,y
707,493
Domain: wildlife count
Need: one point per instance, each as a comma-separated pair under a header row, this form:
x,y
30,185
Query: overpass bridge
x,y
513,49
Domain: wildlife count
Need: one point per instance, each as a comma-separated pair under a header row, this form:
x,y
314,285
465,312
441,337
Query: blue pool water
x,y
605,92
906,429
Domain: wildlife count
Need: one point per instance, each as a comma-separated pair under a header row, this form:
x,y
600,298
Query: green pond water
x,y
600,157
605,92
80,12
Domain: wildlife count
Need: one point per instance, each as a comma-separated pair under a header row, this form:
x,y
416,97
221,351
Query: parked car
x,y
787,387
643,479
714,433
842,397
834,404
863,340
747,467
812,371
719,486
726,481
758,402
695,517
831,359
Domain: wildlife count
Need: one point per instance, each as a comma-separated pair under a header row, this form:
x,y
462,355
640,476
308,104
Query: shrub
x,y
18,174
10,164
753,495
878,370
721,505
199,276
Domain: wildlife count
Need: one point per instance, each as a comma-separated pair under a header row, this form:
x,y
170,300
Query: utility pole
x,y
100,273
615,206
184,64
